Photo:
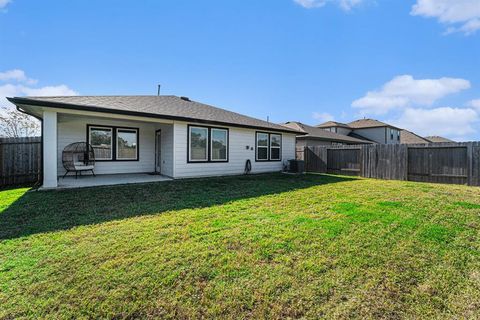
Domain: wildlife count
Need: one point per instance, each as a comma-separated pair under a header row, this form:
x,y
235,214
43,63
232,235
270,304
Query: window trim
x,y
209,143
116,144
269,159
114,141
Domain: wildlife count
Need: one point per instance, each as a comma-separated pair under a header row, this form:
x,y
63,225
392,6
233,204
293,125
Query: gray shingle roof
x,y
318,133
171,107
332,124
368,123
408,137
438,139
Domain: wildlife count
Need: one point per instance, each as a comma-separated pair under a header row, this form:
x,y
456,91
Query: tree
x,y
15,124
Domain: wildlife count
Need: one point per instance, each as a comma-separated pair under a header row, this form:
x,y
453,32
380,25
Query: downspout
x,y
41,139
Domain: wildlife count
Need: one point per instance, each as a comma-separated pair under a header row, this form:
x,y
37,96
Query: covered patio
x,y
108,180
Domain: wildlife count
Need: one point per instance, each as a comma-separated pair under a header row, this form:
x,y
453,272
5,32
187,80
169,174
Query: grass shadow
x,y
39,212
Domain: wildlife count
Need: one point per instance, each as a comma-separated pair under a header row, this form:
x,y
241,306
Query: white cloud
x,y
475,104
16,75
322,116
3,3
12,88
459,15
405,91
445,121
346,5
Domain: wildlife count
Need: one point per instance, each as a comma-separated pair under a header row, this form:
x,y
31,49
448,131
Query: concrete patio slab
x,y
109,179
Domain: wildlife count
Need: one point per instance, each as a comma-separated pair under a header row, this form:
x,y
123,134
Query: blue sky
x,y
415,63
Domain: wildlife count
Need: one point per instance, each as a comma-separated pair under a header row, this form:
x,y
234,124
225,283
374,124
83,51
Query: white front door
x,y
158,157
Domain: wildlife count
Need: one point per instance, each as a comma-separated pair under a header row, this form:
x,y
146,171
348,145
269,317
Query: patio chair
x,y
78,157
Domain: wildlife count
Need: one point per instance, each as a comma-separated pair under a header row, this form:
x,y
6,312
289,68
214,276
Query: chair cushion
x,y
80,166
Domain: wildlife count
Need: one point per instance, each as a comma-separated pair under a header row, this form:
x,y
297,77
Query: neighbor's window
x,y
101,141
127,144
391,134
218,143
275,145
398,135
262,146
198,147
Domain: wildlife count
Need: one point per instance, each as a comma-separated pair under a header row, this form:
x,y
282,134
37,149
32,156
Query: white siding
x,y
73,128
239,139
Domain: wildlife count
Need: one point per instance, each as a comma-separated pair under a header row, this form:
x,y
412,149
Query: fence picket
x,y
19,160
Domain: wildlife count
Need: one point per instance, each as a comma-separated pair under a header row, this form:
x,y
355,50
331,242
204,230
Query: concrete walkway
x,y
108,179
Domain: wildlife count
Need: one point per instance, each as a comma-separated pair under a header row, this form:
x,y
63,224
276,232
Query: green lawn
x,y
267,246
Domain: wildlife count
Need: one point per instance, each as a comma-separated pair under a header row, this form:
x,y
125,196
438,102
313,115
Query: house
x,y
370,129
172,136
314,136
438,139
336,127
378,132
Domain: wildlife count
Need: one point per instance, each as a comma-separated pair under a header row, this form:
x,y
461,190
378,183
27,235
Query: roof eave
x,y
71,106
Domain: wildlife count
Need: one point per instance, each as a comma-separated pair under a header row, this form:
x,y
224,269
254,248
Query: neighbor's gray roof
x,y
437,139
329,124
408,137
171,107
368,123
322,134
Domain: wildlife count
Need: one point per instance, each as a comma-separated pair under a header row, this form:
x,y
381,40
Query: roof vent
x,y
185,98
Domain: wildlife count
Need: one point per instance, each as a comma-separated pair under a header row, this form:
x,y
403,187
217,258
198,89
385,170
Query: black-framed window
x,y
218,144
268,146
198,146
127,144
114,143
101,140
207,144
275,146
261,153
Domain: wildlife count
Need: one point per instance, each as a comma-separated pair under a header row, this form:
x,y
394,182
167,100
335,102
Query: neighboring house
x,y
336,127
315,136
378,132
438,139
169,135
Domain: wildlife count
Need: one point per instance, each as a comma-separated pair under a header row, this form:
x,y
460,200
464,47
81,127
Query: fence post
x,y
305,158
469,163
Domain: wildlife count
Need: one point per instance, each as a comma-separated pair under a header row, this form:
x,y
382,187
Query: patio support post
x,y
49,149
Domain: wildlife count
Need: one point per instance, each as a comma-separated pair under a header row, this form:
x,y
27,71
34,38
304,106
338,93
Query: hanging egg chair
x,y
78,157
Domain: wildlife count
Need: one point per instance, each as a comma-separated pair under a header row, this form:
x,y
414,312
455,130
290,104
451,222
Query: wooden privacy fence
x,y
20,160
455,163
